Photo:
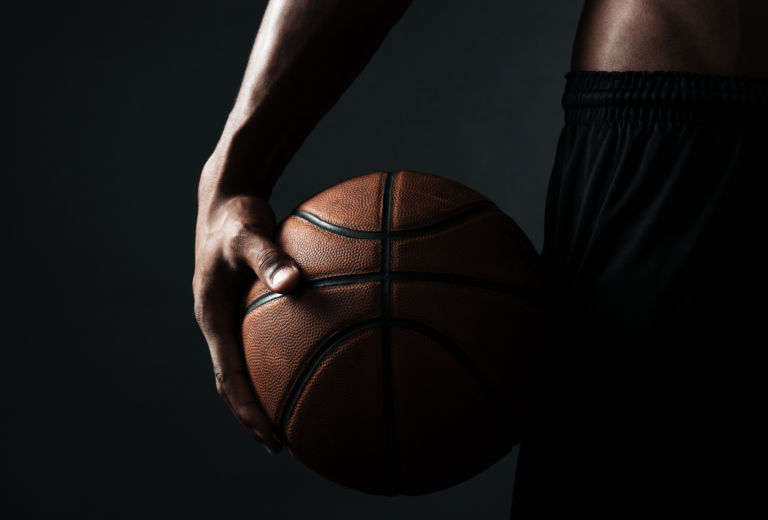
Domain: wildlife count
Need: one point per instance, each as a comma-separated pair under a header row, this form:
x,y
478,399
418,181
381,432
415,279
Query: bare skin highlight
x,y
725,37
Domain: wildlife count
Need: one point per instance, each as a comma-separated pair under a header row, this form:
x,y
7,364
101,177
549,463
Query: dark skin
x,y
305,56
726,37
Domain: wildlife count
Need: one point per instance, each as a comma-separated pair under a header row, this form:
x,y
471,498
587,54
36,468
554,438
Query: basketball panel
x,y
281,336
438,406
354,204
337,427
322,254
258,289
486,246
501,334
420,199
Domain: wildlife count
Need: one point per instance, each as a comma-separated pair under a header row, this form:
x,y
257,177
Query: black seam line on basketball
x,y
386,336
460,356
415,326
453,279
309,369
386,226
407,233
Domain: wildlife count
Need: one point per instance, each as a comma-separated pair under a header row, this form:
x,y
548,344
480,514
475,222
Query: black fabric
x,y
655,237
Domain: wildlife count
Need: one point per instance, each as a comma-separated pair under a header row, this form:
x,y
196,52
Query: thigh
x,y
654,236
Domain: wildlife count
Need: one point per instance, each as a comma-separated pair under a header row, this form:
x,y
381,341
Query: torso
x,y
727,37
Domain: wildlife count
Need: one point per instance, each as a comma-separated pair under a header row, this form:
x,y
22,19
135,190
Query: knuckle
x,y
224,378
267,259
239,232
199,313
220,390
201,298
221,378
237,229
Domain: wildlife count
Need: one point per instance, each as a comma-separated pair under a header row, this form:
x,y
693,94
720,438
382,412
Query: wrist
x,y
238,165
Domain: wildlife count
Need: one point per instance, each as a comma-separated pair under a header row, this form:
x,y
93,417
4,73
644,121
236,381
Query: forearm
x,y
306,54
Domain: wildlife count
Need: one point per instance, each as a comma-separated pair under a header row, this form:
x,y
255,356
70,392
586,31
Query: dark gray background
x,y
111,109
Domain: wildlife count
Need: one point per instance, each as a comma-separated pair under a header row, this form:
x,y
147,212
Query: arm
x,y
306,54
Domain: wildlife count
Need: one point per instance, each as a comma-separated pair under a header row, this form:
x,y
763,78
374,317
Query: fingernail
x,y
258,434
281,275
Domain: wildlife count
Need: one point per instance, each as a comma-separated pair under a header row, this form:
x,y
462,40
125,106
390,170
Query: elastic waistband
x,y
665,97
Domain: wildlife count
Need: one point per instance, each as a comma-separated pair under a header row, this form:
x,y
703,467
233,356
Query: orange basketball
x,y
416,328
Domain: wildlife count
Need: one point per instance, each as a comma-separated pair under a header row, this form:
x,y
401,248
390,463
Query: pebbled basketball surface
x,y
416,327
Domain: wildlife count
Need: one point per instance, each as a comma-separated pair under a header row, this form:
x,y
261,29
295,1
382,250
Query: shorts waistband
x,y
665,97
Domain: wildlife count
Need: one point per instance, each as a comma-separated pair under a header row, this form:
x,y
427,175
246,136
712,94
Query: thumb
x,y
273,265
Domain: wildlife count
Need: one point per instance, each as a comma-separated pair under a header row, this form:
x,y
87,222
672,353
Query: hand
x,y
234,241
322,44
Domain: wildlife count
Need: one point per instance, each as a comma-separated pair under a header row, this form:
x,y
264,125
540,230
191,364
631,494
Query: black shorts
x,y
655,237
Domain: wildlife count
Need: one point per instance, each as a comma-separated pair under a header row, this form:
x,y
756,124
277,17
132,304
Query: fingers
x,y
232,242
218,317
236,389
272,264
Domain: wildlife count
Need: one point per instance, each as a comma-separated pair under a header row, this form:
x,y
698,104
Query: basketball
x,y
406,360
